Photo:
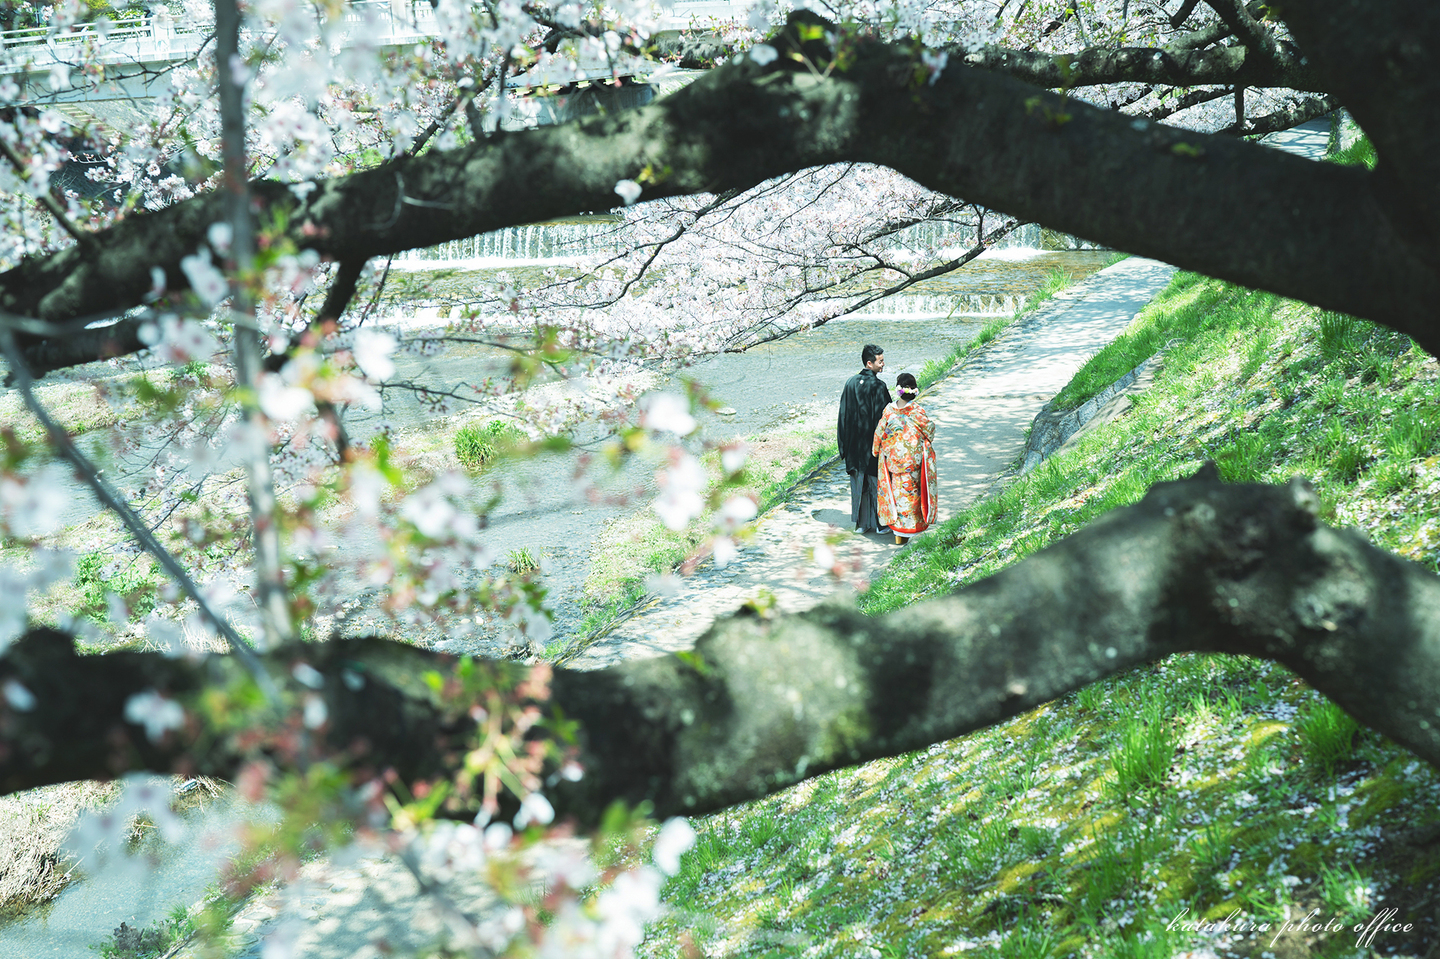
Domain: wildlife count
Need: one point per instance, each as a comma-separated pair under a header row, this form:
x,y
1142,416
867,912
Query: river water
x,y
135,889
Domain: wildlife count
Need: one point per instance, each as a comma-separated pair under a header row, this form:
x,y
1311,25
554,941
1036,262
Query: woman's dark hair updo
x,y
906,386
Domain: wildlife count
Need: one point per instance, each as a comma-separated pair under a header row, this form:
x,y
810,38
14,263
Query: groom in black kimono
x,y
861,403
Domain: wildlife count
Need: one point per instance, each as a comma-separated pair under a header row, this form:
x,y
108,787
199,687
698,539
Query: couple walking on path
x,y
887,449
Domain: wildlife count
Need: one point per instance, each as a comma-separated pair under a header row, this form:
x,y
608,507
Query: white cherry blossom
x,y
667,412
627,190
156,713
681,485
534,808
208,282
372,353
676,838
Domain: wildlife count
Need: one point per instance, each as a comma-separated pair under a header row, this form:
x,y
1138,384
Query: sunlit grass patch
x,y
1015,838
1145,751
1328,735
479,445
77,407
1175,311
1199,786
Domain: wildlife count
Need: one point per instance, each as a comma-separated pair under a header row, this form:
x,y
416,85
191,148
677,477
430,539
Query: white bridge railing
x,y
162,37
140,40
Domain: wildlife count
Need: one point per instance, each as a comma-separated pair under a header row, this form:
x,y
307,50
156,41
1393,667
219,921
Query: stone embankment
x,y
1053,429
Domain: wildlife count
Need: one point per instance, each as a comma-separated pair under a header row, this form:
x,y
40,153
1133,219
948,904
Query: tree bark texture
x,y
764,703
1342,238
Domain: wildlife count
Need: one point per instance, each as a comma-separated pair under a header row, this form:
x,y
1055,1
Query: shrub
x,y
1146,751
477,446
522,560
1327,734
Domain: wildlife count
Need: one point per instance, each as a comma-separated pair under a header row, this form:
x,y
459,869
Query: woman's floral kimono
x,y
907,469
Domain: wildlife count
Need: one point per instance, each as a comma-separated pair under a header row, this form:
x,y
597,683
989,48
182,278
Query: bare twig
x,y
60,440
379,289
424,392
48,202
270,578
1183,14
946,267
459,103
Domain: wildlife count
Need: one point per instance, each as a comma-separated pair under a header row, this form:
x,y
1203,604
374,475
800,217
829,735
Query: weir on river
x,y
604,235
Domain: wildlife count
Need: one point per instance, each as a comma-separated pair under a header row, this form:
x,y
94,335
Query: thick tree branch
x,y
1176,104
1228,209
763,703
1175,65
45,354
1287,118
78,729
1197,565
1254,34
342,289
1380,61
1183,14
1199,39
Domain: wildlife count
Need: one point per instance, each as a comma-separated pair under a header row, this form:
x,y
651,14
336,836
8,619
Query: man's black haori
x,y
861,403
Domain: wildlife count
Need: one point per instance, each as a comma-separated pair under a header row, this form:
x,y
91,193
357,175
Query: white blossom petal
x,y
667,412
628,190
675,839
156,713
534,808
20,699
207,281
372,353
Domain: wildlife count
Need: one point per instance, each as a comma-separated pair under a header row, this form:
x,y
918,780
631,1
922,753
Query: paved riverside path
x,y
981,414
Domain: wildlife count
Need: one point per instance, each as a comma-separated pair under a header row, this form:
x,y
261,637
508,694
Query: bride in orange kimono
x,y
907,463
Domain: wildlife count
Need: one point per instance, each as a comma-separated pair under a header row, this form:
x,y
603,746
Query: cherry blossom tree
x,y
781,187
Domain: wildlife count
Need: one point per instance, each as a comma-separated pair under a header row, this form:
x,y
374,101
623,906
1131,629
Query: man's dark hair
x,y
868,354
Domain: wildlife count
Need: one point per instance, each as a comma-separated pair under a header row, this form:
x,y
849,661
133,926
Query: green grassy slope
x,y
1201,788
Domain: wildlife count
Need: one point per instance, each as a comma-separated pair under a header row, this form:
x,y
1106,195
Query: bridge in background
x,y
97,72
